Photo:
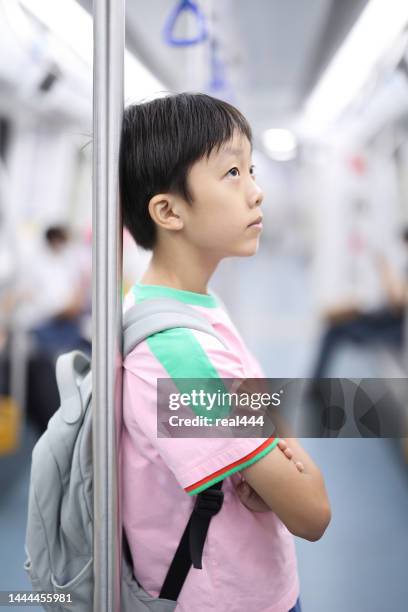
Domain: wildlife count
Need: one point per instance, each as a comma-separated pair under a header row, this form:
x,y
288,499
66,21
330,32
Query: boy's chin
x,y
247,250
243,252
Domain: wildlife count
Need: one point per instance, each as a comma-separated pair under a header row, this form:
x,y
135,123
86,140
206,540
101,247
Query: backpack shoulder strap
x,y
190,548
152,316
139,322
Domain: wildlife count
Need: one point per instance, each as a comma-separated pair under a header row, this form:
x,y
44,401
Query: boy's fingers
x,y
243,490
287,451
289,454
250,499
283,446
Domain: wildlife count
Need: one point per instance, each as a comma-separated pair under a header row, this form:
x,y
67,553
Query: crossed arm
x,y
291,485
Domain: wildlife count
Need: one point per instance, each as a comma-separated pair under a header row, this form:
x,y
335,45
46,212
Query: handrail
x,y
109,40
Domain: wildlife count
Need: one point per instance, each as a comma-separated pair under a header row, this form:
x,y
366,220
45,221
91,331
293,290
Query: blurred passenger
x,y
49,301
55,295
384,325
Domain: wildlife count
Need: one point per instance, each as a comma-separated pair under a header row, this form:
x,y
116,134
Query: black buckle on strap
x,y
208,503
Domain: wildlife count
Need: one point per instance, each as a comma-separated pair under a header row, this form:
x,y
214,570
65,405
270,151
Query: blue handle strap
x,y
169,26
217,80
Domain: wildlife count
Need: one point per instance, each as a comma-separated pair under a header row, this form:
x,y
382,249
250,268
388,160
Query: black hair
x,y
56,232
160,141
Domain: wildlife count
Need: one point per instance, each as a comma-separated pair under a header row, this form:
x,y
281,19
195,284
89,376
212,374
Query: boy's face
x,y
225,217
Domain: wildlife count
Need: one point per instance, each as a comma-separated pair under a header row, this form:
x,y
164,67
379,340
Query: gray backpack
x,y
59,537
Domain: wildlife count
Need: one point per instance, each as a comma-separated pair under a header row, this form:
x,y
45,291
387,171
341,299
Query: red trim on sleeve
x,y
230,465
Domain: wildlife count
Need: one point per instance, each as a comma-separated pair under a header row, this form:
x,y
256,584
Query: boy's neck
x,y
188,271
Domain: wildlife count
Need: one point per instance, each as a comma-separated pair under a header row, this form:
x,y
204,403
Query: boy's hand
x,y
287,451
250,498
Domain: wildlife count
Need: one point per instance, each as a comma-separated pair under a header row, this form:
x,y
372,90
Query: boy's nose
x,y
257,196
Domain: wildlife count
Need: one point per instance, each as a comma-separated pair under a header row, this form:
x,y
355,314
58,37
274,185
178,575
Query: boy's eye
x,y
233,172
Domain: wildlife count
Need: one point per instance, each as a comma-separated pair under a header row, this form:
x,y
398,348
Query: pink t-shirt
x,y
249,558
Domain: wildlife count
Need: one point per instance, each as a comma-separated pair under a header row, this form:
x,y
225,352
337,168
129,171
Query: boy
x,y
188,193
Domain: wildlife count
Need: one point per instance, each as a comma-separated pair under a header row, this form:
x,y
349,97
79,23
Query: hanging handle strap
x,y
170,24
217,80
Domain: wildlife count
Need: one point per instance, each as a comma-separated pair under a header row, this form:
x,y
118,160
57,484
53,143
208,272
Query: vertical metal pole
x,y
109,39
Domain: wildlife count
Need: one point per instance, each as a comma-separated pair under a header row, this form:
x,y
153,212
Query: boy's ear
x,y
163,209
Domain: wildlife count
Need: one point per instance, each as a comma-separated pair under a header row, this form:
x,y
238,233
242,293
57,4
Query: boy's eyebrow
x,y
232,151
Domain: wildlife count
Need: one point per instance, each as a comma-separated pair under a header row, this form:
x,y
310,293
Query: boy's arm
x,y
247,495
298,498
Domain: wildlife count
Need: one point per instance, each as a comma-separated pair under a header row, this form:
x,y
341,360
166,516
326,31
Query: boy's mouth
x,y
257,222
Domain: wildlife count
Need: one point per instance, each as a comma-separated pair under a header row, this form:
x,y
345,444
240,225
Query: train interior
x,y
324,85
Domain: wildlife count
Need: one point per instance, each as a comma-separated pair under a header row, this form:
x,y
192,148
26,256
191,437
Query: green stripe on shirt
x,y
179,351
183,357
148,292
